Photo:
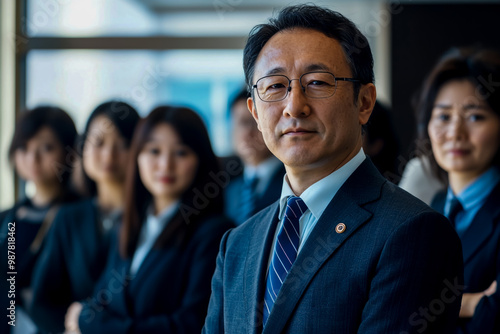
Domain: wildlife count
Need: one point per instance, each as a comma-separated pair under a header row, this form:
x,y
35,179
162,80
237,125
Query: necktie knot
x,y
252,182
455,208
295,207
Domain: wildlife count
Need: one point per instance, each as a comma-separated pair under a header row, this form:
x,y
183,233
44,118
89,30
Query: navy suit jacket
x,y
270,195
396,268
69,265
169,293
481,251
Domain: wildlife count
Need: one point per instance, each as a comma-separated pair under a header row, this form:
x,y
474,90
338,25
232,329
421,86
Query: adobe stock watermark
x,y
486,86
380,19
422,148
104,297
425,315
224,6
219,181
152,78
202,197
150,81
302,271
72,156
48,10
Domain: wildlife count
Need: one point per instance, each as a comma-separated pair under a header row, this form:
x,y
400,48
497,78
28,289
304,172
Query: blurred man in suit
x,y
343,250
262,178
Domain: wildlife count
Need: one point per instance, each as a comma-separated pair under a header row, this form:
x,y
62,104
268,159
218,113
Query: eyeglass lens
x,y
314,84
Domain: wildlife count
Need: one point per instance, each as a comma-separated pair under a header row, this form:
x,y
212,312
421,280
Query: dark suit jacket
x,y
25,232
481,251
169,293
24,259
70,264
235,187
396,268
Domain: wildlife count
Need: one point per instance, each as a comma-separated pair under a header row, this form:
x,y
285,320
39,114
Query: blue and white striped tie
x,y
285,252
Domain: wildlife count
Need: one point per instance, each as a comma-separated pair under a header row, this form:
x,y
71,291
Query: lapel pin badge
x,y
340,228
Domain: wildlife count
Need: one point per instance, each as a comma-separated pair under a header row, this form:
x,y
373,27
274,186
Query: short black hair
x,y
52,117
480,66
331,23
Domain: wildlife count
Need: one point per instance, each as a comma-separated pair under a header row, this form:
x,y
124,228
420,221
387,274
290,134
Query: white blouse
x,y
150,231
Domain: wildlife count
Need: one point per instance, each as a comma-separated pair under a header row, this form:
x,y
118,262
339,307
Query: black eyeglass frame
x,y
289,88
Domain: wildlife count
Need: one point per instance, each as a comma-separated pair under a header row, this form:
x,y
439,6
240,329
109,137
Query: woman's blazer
x,y
481,251
70,264
169,293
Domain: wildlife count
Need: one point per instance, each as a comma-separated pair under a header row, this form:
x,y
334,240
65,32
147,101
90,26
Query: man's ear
x,y
253,110
366,101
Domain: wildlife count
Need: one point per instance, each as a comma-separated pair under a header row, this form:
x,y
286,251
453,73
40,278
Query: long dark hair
x,y
58,121
123,116
192,132
480,67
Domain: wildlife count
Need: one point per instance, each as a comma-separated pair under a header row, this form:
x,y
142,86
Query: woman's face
x,y
464,130
42,159
167,167
105,152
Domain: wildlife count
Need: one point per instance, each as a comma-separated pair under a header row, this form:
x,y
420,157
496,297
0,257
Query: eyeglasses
x,y
316,85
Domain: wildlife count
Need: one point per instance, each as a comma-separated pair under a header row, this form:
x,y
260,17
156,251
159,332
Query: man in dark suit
x,y
260,183
353,253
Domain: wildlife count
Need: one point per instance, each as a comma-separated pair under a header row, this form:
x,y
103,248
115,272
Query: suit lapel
x,y
257,257
151,261
363,186
482,226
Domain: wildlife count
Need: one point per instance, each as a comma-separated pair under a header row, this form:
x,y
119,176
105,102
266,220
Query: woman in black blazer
x,y
158,277
43,138
460,116
77,246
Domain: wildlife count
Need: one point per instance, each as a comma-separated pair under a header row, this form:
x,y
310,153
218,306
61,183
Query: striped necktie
x,y
285,252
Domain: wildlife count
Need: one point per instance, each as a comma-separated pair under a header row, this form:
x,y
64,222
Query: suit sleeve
x,y
188,318
418,282
51,283
100,314
486,319
214,323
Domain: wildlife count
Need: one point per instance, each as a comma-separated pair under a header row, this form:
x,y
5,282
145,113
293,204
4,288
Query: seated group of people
x,y
123,233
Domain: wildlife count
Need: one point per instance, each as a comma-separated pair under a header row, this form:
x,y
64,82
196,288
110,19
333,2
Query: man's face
x,y
247,139
305,132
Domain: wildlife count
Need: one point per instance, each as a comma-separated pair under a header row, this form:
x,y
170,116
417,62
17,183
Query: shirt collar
x,y
477,191
262,170
320,194
154,224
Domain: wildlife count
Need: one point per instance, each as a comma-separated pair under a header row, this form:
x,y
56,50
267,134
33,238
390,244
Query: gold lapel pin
x,y
340,228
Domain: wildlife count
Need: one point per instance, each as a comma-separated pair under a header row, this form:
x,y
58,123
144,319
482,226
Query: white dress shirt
x,y
316,197
150,231
263,171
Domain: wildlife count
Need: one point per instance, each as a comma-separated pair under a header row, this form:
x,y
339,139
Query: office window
x,y
79,80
